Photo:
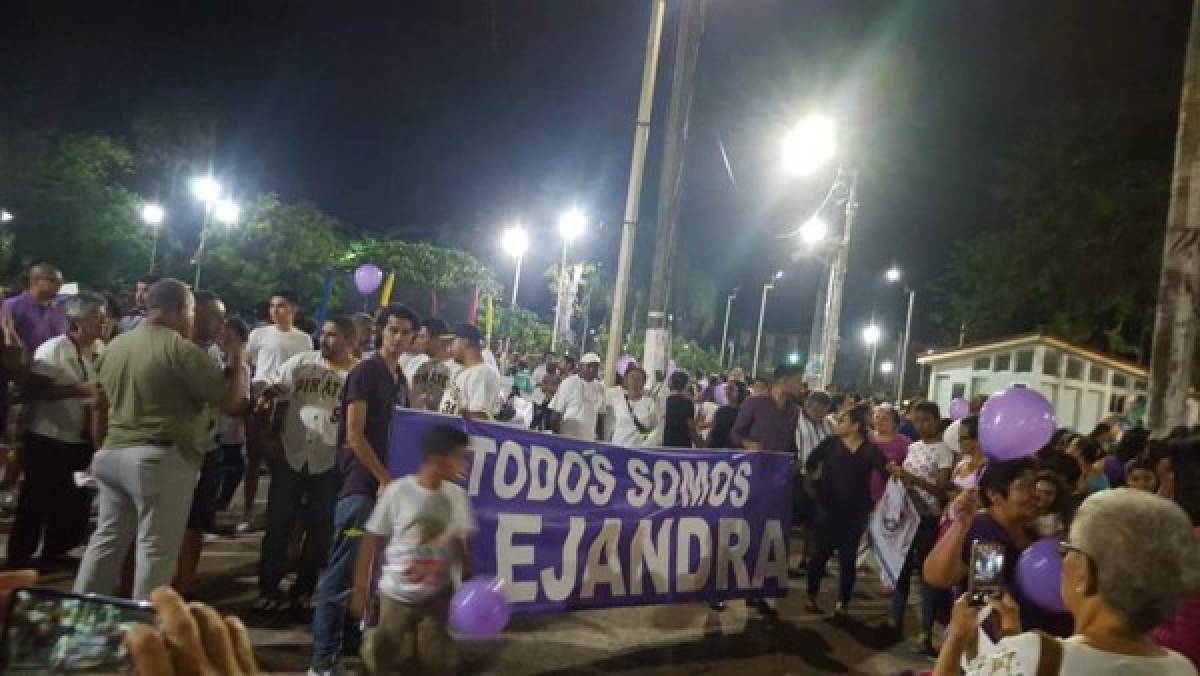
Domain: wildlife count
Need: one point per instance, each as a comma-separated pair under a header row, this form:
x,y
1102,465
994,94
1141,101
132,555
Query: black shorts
x,y
203,516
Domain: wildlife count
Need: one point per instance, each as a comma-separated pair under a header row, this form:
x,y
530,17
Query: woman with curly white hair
x,y
1131,561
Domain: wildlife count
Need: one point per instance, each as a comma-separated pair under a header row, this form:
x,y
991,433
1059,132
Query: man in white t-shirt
x,y
580,400
416,355
51,509
429,381
311,383
266,350
423,521
474,390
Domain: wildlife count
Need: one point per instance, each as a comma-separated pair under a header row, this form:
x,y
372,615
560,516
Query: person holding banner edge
x,y
373,388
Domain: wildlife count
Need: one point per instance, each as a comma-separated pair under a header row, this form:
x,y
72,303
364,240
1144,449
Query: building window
x,y
1119,380
959,390
1019,386
1116,403
1002,363
983,363
1074,369
1050,363
1140,385
1024,361
1097,374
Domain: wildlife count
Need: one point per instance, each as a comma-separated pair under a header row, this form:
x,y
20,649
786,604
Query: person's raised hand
x,y
1009,613
191,640
965,505
964,624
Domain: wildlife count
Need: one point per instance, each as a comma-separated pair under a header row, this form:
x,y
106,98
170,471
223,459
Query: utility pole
x,y
1176,320
837,279
670,187
725,330
641,138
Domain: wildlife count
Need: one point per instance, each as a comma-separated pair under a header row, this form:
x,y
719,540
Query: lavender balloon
x,y
367,278
1015,423
1039,575
623,364
480,608
959,408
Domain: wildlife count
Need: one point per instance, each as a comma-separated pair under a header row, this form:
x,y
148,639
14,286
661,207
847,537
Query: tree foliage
x,y
421,264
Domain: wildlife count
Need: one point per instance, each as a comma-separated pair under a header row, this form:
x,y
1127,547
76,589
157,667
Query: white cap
x,y
590,358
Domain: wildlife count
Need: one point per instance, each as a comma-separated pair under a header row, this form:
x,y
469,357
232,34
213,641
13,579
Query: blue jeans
x,y
329,616
922,543
293,495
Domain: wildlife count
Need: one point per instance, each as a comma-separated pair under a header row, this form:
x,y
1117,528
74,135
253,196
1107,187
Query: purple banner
x,y
571,524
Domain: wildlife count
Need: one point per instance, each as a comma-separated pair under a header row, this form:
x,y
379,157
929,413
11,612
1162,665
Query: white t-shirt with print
x,y
924,460
624,432
474,389
580,403
63,419
409,363
313,390
1018,656
423,528
268,348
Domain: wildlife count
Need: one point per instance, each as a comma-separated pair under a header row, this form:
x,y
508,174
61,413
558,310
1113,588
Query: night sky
x,y
446,120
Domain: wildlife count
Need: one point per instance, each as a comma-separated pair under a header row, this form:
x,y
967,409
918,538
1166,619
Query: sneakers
x,y
717,606
839,609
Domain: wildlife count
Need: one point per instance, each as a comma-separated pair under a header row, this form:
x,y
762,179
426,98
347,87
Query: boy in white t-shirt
x,y
423,520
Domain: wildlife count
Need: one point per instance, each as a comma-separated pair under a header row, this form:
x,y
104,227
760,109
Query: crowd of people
x,y
158,414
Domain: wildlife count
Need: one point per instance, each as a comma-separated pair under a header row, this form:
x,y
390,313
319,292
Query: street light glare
x,y
810,144
779,274
886,367
814,231
515,241
227,212
893,274
571,224
871,334
794,358
5,216
153,214
206,189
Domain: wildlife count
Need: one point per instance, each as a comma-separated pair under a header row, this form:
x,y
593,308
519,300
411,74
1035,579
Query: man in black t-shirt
x,y
373,389
679,419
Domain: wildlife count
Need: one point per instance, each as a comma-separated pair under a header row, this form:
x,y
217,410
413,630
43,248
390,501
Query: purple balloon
x,y
721,394
367,278
959,408
480,608
1015,423
1039,575
623,364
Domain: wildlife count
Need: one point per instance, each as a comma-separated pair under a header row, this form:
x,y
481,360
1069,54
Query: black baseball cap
x,y
438,328
470,333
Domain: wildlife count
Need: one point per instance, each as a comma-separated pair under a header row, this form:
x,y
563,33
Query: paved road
x,y
680,639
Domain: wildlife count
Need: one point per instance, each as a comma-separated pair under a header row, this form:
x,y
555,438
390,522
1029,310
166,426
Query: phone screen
x,y
52,632
987,571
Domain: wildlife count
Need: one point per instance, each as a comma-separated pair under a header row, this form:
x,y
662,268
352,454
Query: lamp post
x,y
5,216
725,331
223,210
762,311
894,275
571,225
871,335
515,242
153,215
808,146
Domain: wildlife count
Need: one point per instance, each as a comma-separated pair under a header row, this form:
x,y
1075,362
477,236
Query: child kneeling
x,y
423,521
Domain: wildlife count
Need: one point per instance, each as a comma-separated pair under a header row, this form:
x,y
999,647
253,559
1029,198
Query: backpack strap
x,y
1050,655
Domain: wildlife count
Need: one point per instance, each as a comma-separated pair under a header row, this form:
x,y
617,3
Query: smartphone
x,y
53,632
987,572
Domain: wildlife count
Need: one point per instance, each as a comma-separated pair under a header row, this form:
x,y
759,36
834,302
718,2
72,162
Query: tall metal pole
x,y
762,311
912,295
154,248
871,368
198,258
837,284
641,138
516,281
562,281
670,188
725,330
1176,320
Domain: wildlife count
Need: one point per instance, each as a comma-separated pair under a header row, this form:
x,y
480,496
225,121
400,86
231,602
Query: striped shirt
x,y
809,434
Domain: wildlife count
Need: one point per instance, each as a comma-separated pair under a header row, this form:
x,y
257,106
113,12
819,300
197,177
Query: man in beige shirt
x,y
154,386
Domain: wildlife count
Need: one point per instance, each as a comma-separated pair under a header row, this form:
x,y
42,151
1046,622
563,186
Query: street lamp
x,y
227,212
886,367
725,331
871,335
809,144
153,215
515,242
762,311
5,216
206,189
571,224
814,231
893,275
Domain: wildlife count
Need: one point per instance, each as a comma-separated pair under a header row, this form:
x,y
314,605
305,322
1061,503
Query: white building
x,y
1083,385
